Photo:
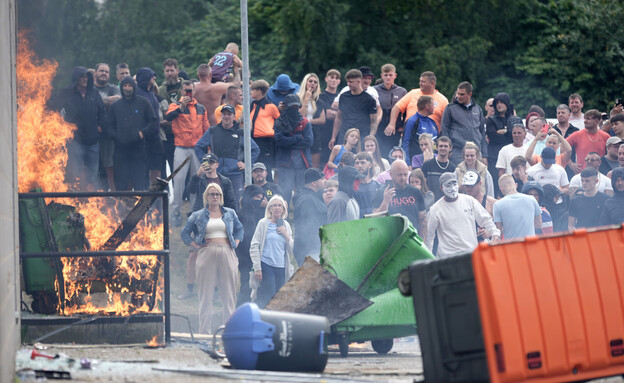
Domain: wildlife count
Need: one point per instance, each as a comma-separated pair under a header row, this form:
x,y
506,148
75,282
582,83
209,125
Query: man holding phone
x,y
398,196
189,121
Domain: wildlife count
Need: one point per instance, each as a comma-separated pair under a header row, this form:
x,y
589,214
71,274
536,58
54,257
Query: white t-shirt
x,y
555,175
578,122
454,223
370,90
604,183
506,154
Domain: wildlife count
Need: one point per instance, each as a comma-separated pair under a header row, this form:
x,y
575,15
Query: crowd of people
x,y
460,174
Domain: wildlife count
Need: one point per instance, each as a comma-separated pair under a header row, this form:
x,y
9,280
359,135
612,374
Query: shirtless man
x,y
209,94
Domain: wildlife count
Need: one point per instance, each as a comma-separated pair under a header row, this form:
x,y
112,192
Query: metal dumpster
x,y
367,255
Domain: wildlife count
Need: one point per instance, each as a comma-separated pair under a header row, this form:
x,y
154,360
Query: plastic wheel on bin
x,y
405,283
382,346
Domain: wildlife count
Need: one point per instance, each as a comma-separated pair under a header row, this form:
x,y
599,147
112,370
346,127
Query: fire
x,y
129,282
153,342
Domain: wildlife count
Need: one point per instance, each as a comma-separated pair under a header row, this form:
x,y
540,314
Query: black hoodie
x,y
613,210
498,122
127,116
86,113
143,78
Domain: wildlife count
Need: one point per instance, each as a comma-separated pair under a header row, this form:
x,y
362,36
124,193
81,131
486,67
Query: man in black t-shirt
x,y
398,196
434,168
585,208
357,109
259,175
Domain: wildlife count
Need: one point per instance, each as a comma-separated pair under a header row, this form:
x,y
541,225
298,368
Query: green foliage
x,y
538,51
577,49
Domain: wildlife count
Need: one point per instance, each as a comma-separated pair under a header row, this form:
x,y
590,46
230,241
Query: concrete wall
x,y
9,262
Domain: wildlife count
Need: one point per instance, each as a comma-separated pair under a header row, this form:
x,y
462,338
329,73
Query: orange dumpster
x,y
552,309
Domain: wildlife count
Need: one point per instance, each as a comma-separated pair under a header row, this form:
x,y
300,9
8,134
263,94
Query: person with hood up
x,y
293,139
463,121
344,206
498,129
534,189
80,104
557,203
310,213
613,210
283,86
146,82
130,122
251,212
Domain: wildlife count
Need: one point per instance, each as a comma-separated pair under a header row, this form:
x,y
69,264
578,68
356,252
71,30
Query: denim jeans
x,y
273,279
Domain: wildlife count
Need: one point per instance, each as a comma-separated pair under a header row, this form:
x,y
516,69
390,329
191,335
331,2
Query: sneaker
x,y
187,295
177,219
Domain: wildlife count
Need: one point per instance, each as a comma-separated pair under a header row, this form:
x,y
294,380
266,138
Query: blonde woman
x,y
214,232
472,161
271,249
314,110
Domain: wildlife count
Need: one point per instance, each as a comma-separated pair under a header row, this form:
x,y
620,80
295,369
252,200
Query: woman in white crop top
x,y
217,264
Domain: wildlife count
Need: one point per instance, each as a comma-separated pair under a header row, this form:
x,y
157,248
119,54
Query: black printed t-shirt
x,y
408,201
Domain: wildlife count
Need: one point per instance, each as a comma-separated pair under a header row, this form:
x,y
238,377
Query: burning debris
x,y
119,285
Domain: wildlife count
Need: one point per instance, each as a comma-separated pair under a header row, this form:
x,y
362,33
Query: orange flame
x,y
41,147
42,157
153,342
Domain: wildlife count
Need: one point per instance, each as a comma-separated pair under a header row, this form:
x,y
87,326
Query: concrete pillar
x,y
9,261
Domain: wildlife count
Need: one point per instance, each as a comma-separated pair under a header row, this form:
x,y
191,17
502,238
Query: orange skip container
x,y
552,309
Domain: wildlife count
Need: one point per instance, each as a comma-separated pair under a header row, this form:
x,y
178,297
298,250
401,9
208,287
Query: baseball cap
x,y
471,178
548,155
292,100
366,71
228,108
446,177
614,141
210,157
258,165
312,175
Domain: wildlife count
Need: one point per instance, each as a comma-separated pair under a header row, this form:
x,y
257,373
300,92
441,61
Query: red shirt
x,y
584,142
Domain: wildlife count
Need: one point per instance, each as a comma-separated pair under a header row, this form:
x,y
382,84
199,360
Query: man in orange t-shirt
x,y
590,139
263,116
234,97
408,104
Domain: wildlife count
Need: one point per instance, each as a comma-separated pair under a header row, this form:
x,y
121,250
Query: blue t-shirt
x,y
517,213
274,247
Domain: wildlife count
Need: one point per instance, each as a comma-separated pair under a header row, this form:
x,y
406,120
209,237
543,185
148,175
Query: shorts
x,y
107,148
317,144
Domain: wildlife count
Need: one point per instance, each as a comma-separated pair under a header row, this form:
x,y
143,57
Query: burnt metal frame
x,y
78,254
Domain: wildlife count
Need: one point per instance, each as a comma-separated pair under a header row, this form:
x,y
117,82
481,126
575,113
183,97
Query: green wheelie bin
x,y
368,255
